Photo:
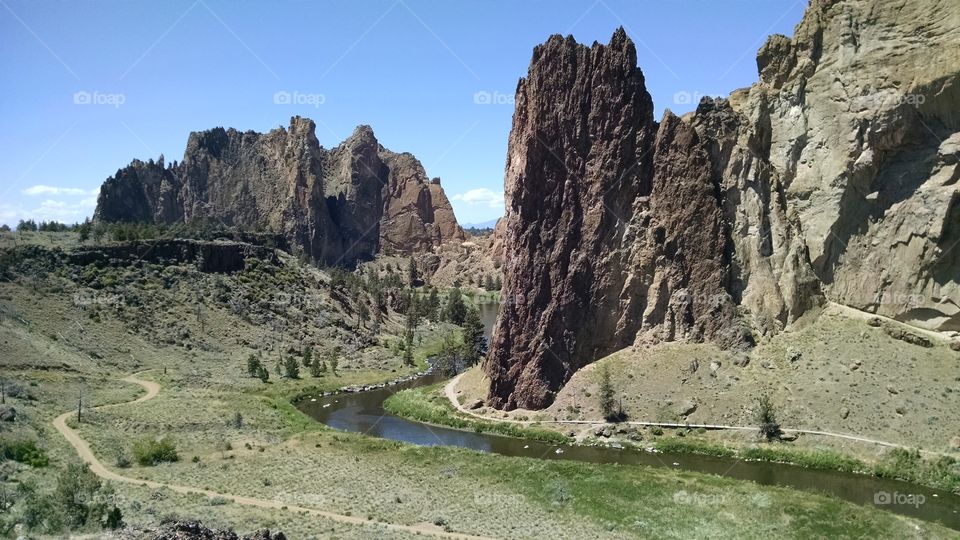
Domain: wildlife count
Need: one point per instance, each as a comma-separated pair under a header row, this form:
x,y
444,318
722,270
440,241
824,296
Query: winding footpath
x,y
450,391
152,388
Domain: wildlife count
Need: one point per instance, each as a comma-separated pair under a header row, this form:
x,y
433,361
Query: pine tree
x,y
253,366
308,357
432,305
456,310
473,339
263,373
363,314
412,272
607,401
317,368
292,368
332,360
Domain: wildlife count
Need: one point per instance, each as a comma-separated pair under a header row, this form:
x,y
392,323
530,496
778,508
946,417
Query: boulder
x,y
686,408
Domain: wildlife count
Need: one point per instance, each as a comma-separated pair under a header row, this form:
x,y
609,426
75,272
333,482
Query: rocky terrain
x,y
194,530
337,206
831,178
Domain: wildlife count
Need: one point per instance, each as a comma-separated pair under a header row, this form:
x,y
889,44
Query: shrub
x,y
78,500
24,451
766,416
150,451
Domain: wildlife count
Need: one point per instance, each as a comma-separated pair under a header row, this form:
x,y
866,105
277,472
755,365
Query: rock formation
x,y
337,206
832,178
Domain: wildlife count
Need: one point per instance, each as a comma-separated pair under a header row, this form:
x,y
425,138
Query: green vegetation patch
x,y
427,404
24,451
908,465
149,451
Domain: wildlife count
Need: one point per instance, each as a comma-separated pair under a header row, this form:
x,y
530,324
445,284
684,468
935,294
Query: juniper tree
x,y
291,368
473,340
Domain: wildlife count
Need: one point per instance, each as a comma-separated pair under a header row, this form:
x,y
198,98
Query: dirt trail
x,y
450,391
152,388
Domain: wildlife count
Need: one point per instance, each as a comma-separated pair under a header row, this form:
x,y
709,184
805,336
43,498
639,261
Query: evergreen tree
x,y
291,368
308,357
253,366
333,360
363,314
317,368
767,417
488,283
456,310
432,305
412,273
263,373
608,404
474,343
84,230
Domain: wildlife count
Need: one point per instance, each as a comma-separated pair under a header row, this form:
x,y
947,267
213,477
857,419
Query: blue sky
x,y
90,85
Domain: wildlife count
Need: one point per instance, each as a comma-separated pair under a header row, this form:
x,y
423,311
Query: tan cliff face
x,y
337,206
832,178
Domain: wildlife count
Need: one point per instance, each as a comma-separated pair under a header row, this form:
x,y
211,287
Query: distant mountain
x,y
489,224
337,206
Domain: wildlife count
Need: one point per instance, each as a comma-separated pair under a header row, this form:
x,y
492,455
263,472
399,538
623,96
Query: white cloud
x,y
41,189
481,196
49,210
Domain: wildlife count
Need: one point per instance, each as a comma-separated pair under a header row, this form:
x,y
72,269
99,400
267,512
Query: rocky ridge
x,y
831,178
337,206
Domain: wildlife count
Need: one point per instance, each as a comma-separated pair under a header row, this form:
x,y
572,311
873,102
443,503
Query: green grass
x,y
901,464
908,465
813,459
427,404
688,446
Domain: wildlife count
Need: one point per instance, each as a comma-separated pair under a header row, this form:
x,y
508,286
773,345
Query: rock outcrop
x,y
193,530
337,206
833,177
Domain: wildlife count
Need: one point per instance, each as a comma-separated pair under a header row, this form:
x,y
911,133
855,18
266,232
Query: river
x,y
363,412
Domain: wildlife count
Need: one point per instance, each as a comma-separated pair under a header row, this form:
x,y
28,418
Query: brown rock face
x,y
337,206
611,227
832,178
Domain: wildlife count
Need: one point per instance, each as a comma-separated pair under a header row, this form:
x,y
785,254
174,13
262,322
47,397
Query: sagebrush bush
x,y
150,451
24,451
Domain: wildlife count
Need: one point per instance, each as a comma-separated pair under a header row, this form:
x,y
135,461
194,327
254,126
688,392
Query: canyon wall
x,y
831,178
337,206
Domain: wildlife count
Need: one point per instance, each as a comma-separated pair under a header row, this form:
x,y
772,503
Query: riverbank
x,y
433,404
